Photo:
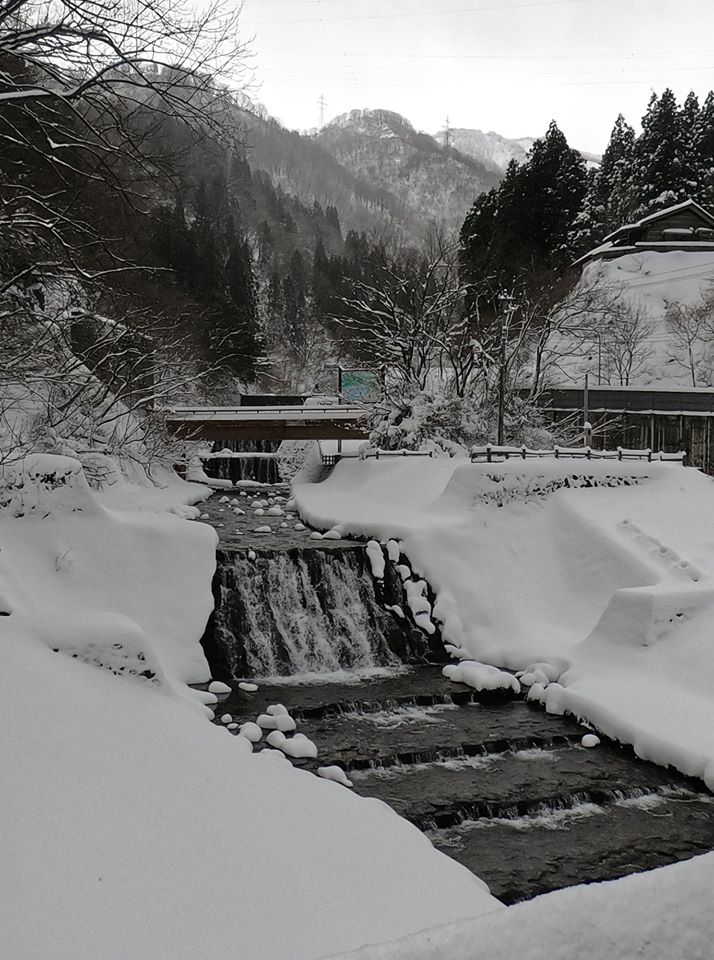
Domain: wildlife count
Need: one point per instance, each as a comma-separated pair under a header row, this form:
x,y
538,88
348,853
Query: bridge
x,y
336,422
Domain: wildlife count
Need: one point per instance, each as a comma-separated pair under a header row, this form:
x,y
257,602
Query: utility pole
x,y
587,426
447,134
322,104
505,324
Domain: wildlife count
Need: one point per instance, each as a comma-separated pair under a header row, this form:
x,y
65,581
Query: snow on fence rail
x,y
290,412
489,453
331,459
237,455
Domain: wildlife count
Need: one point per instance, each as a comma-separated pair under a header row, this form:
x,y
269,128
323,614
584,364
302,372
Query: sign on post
x,y
359,384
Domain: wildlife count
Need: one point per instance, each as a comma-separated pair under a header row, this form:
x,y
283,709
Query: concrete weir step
x,y
523,857
423,685
416,734
495,782
512,783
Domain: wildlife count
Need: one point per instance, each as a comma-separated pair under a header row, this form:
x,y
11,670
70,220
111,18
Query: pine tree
x,y
322,287
704,149
610,199
239,332
524,226
662,173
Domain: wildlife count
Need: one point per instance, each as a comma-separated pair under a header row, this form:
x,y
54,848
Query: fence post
x,y
619,453
523,451
555,452
587,453
488,452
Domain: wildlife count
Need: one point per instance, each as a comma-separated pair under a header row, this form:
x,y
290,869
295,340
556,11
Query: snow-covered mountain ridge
x,y
431,183
494,150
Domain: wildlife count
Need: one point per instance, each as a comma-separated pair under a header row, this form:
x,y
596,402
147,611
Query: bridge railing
x,y
494,454
331,459
266,413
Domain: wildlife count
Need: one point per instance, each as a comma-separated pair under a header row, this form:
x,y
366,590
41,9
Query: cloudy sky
x,y
504,65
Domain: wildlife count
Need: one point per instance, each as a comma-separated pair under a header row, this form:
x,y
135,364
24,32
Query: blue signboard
x,y
360,385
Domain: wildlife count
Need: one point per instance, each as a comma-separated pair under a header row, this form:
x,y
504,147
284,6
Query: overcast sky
x,y
504,65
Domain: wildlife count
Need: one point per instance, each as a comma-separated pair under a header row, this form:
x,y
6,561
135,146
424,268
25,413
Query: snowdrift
x,y
658,915
604,570
133,827
650,281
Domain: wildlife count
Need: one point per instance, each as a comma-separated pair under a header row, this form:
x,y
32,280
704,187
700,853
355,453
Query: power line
x,y
684,54
423,13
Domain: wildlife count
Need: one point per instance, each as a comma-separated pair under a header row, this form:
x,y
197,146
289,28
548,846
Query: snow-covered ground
x,y
132,827
603,571
660,915
649,281
603,590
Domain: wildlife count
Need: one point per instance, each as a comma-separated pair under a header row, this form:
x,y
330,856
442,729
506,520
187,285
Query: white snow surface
x,y
121,803
650,280
660,915
603,573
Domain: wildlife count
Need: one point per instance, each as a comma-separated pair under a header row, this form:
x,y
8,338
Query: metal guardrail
x,y
494,454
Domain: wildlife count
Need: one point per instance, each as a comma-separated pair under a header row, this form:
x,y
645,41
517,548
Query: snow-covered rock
x,y
376,559
251,731
335,773
218,687
481,676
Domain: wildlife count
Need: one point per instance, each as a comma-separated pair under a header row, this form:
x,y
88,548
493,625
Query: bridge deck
x,y
338,422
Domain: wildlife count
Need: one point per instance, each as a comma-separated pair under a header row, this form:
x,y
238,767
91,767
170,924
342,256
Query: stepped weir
x,y
496,783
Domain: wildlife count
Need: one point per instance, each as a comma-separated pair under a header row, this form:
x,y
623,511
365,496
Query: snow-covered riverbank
x,y
131,826
602,570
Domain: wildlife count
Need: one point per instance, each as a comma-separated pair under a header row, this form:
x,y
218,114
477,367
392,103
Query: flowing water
x,y
494,781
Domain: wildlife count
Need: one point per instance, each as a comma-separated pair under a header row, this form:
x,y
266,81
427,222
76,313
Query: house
x,y
685,226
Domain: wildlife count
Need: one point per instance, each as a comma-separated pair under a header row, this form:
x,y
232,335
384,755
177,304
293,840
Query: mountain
x,y
494,151
301,167
429,182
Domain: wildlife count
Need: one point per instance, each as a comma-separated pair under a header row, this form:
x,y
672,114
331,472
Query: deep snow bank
x,y
660,915
131,826
604,570
85,579
649,281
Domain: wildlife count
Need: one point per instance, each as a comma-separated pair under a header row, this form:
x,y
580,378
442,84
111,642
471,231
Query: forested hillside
x,y
430,181
162,238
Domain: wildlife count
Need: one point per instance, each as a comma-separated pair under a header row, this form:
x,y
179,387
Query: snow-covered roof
x,y
668,211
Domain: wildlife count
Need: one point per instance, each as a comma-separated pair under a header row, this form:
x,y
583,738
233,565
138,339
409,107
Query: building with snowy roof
x,y
684,226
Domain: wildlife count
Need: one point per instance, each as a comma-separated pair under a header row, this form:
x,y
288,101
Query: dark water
x,y
496,783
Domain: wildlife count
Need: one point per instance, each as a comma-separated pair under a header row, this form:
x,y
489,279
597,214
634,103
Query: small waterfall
x,y
262,469
303,611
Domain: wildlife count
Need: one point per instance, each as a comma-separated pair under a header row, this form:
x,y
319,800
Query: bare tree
x,y
627,344
691,328
411,318
79,383
85,87
88,88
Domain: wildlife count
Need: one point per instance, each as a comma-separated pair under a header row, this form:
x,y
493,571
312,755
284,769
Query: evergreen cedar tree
x,y
549,209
